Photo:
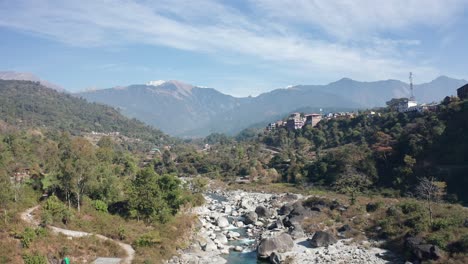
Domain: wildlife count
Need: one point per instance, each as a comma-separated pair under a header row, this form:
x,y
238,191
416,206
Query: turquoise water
x,y
243,258
249,256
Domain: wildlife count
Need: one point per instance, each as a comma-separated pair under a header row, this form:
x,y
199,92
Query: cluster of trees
x,y
390,150
70,168
225,159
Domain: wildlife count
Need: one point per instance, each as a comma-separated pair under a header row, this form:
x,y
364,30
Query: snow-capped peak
x,y
155,83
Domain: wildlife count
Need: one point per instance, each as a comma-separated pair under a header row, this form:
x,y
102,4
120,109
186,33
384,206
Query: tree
x,y
430,191
78,169
146,197
352,183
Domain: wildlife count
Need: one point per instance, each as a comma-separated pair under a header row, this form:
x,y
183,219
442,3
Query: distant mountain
x,y
26,76
185,110
30,104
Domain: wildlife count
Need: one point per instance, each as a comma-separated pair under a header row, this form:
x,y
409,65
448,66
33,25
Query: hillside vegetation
x,y
30,105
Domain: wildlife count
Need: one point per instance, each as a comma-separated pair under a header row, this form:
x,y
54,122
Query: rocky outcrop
x,y
281,243
420,250
322,239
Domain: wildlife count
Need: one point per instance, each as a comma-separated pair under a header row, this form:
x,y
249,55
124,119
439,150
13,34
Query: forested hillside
x,y
95,188
385,150
29,104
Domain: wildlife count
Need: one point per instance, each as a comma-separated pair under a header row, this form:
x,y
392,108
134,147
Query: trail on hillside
x,y
29,218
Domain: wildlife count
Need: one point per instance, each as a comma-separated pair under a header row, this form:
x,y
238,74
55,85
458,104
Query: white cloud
x,y
275,31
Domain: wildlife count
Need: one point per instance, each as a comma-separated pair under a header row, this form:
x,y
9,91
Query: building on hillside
x,y
462,92
407,105
295,121
313,119
271,127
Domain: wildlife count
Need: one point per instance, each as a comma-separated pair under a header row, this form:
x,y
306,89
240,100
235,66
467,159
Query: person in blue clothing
x,y
66,261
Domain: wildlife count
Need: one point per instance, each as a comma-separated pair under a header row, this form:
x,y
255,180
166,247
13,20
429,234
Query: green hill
x,y
28,104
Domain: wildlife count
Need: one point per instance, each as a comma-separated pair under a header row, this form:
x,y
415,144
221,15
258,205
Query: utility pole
x,y
411,86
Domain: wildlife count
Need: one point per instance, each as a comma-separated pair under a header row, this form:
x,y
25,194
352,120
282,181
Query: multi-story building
x,y
313,119
295,121
462,92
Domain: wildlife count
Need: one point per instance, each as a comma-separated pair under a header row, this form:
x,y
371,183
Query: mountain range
x,y
182,109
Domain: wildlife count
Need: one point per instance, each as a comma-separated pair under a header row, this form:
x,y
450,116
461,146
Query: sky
x,y
239,47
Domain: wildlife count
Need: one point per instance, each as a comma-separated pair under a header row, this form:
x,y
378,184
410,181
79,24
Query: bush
x,y
441,224
393,211
439,239
55,210
100,206
372,207
418,223
411,207
148,240
26,237
34,259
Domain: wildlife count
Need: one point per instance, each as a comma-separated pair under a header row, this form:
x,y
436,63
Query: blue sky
x,y
240,47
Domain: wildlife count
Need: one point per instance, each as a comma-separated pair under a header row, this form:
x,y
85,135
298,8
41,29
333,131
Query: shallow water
x,y
249,255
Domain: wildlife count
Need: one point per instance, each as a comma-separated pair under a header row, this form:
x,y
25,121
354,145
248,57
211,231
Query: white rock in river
x,y
239,224
222,222
227,209
222,239
238,248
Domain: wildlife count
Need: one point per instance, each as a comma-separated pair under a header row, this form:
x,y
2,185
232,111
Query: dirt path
x,y
29,218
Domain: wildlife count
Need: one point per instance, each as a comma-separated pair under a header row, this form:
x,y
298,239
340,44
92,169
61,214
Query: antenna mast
x,y
411,86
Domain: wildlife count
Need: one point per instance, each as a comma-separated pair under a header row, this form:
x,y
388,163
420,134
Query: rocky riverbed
x,y
243,227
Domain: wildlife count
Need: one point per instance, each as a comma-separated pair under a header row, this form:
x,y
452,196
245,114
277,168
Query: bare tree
x,y
431,191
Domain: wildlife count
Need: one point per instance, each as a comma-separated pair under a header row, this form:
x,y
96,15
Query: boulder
x,y
238,248
278,224
281,243
345,231
239,224
296,231
250,218
209,246
227,209
276,258
221,238
285,209
322,239
420,250
222,222
262,211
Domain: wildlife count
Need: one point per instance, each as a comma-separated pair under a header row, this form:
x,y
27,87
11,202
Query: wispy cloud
x,y
339,37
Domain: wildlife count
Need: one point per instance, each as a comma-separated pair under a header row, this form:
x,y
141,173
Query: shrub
x,y
418,223
441,224
411,207
122,233
27,237
100,206
34,259
55,210
439,239
393,211
148,240
372,207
